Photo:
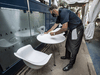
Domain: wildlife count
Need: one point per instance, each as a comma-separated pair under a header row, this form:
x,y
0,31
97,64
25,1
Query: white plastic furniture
x,y
41,29
48,39
53,40
32,58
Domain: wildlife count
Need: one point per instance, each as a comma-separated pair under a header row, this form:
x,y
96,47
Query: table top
x,y
48,39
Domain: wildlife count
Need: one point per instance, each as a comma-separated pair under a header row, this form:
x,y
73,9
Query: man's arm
x,y
53,27
63,29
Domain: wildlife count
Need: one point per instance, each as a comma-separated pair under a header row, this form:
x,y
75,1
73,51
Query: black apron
x,y
72,46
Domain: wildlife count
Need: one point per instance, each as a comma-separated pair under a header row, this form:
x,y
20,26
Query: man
x,y
70,21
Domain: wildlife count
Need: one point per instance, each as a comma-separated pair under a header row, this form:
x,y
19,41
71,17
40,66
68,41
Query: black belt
x,y
80,25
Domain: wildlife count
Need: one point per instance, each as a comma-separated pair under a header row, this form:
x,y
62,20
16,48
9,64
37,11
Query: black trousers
x,y
72,46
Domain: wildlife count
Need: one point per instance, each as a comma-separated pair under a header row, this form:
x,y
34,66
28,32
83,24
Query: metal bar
x,y
29,19
49,14
28,5
49,2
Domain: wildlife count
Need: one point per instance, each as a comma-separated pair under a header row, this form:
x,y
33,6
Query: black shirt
x,y
66,15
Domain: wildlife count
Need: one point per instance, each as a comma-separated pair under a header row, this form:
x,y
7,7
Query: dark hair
x,y
53,7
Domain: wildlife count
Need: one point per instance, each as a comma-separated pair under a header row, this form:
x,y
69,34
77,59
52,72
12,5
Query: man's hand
x,y
52,33
45,33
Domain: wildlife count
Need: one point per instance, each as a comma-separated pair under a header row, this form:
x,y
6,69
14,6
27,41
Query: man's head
x,y
54,11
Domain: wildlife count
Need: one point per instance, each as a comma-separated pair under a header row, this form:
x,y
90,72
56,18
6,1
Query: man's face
x,y
53,13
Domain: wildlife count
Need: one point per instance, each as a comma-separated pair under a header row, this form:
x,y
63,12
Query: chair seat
x,y
36,56
28,54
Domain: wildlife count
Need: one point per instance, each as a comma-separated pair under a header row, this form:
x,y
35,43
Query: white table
x,y
48,39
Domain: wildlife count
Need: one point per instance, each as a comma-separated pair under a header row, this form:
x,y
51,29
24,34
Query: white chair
x,y
41,29
32,58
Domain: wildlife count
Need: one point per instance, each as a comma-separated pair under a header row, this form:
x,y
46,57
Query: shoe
x,y
63,57
68,67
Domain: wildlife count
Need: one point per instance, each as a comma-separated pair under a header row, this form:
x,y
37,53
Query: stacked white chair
x,y
32,58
